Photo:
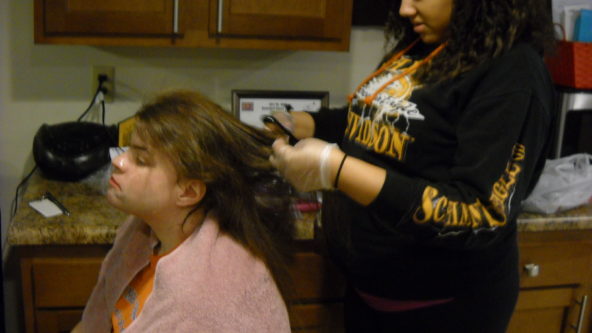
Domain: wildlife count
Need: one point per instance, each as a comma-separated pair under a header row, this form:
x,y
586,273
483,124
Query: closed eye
x,y
140,155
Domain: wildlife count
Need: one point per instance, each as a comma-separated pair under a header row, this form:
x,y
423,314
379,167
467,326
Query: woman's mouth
x,y
113,182
419,28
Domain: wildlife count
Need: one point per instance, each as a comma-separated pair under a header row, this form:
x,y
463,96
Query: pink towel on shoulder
x,y
209,283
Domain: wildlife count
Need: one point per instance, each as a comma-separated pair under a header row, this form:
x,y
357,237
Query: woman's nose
x,y
119,162
407,8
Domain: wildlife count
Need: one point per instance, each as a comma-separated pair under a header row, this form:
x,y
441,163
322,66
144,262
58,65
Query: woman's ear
x,y
191,192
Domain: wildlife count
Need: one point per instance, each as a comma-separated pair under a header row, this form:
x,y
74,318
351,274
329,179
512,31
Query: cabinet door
x,y
556,279
316,318
315,279
56,282
106,17
64,282
57,321
316,302
281,19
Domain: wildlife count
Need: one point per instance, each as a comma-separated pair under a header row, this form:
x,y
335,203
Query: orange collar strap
x,y
369,99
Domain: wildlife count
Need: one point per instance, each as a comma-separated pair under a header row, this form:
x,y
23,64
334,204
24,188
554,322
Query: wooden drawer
x,y
315,278
60,282
556,263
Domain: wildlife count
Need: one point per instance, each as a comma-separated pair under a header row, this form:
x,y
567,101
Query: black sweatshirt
x,y
460,157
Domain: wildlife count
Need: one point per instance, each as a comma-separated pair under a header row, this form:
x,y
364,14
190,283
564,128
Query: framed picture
x,y
250,105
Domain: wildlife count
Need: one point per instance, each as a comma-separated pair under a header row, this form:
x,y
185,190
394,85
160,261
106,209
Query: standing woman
x,y
437,149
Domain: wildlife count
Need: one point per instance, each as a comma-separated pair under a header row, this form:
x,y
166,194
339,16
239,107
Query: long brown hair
x,y
249,200
479,30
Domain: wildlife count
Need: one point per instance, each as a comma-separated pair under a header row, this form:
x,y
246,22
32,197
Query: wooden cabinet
x,y
56,282
317,303
557,277
556,282
271,24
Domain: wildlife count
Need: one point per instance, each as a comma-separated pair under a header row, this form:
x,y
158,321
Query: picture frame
x,y
250,105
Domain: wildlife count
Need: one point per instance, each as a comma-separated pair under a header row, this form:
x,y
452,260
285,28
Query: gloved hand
x,y
307,164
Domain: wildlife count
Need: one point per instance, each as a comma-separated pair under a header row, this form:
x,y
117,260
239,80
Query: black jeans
x,y
487,309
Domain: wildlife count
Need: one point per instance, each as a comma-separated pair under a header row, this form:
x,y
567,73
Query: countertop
x,y
94,221
579,218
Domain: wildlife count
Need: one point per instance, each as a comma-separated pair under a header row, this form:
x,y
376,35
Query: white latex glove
x,y
305,165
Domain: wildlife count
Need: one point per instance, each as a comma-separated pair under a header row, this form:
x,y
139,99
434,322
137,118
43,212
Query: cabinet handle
x,y
220,15
532,269
582,304
175,16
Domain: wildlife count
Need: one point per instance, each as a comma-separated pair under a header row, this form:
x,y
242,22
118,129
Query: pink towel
x,y
209,283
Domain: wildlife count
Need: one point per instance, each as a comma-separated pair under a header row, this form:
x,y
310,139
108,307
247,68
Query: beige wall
x,y
51,84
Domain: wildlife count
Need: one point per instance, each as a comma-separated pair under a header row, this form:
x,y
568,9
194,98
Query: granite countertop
x,y
94,221
574,219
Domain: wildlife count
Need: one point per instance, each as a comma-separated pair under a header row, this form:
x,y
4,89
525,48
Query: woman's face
x,y
143,181
430,18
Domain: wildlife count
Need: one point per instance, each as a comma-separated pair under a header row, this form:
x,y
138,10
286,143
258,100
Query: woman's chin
x,y
430,39
427,39
113,200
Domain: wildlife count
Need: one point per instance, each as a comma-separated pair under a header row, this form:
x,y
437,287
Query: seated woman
x,y
206,246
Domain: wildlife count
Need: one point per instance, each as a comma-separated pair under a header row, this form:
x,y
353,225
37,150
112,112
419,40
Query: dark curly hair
x,y
479,30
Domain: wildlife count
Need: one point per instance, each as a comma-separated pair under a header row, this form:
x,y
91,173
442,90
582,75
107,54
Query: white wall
x,y
52,83
559,4
568,17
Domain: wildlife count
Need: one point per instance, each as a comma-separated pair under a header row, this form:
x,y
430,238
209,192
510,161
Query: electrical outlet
x,y
109,84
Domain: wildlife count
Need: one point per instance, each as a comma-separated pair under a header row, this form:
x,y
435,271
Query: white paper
x,y
251,109
46,207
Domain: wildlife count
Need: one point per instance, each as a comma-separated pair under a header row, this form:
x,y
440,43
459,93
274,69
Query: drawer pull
x,y
532,270
175,17
582,304
220,16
